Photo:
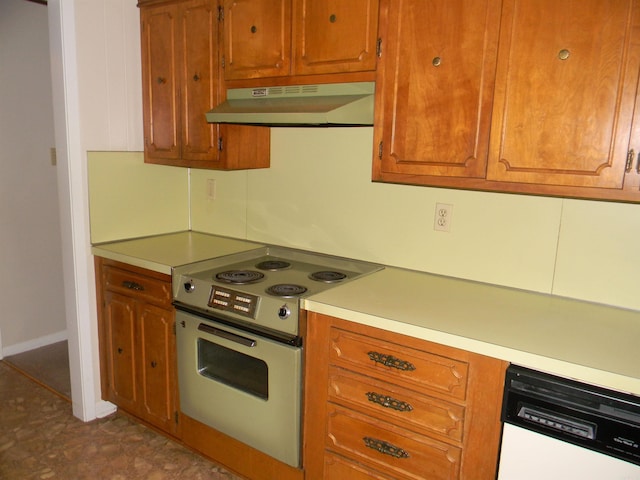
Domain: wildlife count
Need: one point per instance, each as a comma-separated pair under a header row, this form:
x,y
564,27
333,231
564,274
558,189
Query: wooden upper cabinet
x,y
434,88
335,36
286,38
181,82
565,92
160,84
257,38
512,96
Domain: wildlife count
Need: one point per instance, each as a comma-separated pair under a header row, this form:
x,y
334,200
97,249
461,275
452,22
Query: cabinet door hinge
x,y
379,47
222,62
220,13
220,143
380,150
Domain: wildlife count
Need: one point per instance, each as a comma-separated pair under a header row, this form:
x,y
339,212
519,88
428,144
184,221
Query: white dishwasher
x,y
556,428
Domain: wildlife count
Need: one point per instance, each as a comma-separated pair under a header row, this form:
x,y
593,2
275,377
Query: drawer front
x,y
398,364
389,448
138,286
396,404
340,468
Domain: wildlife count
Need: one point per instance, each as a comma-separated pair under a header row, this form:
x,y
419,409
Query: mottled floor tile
x,y
41,439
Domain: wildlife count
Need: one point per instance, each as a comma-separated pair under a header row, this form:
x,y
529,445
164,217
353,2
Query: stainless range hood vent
x,y
339,104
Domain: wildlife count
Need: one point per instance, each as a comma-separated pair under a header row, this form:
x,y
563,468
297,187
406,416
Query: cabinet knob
x,y
563,54
120,350
154,364
196,77
253,29
436,61
161,80
333,18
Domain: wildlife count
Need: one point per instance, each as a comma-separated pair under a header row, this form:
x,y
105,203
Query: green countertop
x,y
589,342
162,252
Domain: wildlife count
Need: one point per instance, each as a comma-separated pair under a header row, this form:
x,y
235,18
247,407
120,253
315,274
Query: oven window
x,y
233,368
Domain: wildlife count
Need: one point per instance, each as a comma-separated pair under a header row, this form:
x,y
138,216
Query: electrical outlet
x,y
443,217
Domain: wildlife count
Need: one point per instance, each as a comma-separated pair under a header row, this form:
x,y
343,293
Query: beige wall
x,y
31,285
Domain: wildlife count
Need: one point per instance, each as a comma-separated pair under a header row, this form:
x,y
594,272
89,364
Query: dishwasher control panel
x,y
592,417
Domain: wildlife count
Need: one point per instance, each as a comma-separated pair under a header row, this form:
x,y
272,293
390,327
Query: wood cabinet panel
x,y
435,87
257,36
120,355
396,404
335,36
400,452
137,342
564,102
159,28
181,82
436,374
448,433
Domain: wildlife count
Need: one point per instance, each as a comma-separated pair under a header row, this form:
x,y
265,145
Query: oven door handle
x,y
247,342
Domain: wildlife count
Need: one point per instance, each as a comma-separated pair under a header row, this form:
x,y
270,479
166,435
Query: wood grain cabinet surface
x,y
382,405
180,74
283,38
510,96
137,342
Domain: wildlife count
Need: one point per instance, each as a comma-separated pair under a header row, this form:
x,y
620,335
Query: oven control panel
x,y
231,301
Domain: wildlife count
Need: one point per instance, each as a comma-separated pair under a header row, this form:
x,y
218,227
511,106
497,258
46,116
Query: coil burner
x,y
286,290
273,265
327,276
239,277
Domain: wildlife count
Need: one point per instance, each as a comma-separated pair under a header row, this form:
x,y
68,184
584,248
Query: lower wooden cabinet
x,y
137,342
383,405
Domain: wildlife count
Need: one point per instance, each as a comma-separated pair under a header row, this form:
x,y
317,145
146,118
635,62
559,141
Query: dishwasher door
x,y
528,455
557,428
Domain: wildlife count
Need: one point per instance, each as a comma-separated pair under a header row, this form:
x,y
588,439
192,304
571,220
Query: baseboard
x,y
33,344
104,408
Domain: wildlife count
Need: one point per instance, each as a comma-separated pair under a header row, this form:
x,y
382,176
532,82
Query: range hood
x,y
338,104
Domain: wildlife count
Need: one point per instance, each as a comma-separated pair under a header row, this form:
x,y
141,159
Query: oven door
x,y
241,384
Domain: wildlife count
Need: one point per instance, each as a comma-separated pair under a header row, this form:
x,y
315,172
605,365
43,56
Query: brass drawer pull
x,y
132,285
389,402
385,448
391,361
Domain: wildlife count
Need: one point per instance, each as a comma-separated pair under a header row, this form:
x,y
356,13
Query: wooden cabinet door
x,y
157,367
199,80
119,325
334,36
257,38
159,25
434,88
565,91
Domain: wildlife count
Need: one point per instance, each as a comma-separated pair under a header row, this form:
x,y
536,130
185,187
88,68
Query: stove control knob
x,y
284,312
189,287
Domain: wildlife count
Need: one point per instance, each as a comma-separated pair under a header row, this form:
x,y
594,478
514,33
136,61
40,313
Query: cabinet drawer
x,y
398,364
395,404
138,286
337,467
390,448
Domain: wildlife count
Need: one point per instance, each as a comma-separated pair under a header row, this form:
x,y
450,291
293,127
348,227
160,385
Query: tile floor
x,y
41,439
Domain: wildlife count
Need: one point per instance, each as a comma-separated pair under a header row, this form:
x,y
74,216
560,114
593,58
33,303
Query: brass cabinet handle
x,y
436,62
132,285
629,165
563,54
391,361
389,402
385,448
